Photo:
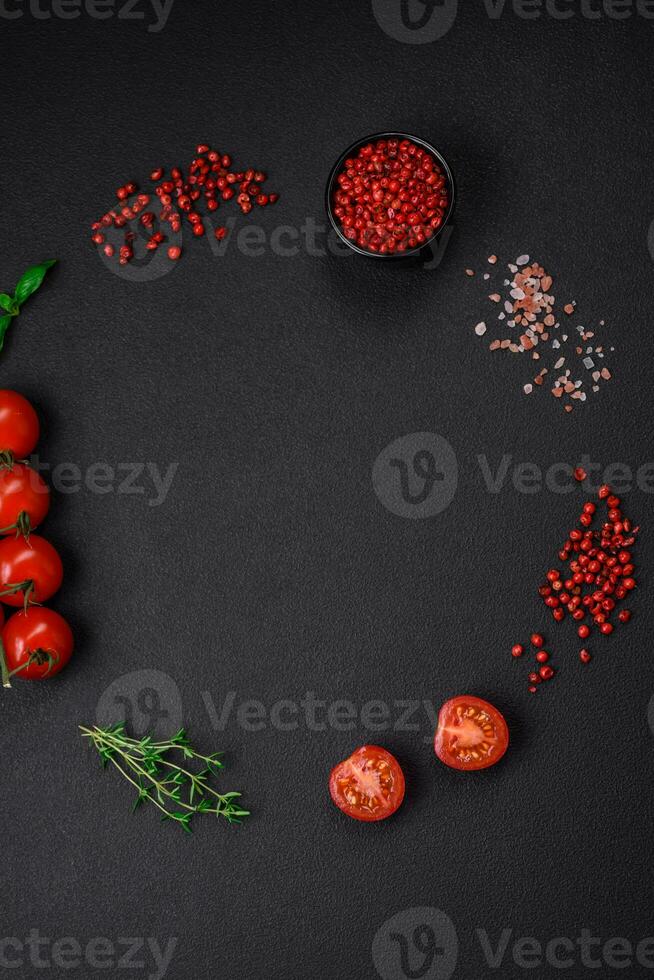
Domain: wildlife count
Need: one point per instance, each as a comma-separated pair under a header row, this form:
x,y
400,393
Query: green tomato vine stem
x,y
4,670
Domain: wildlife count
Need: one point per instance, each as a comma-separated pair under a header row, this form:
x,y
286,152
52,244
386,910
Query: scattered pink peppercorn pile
x,y
600,575
209,180
392,196
543,671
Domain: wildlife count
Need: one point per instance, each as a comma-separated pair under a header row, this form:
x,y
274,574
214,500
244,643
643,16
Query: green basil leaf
x,y
7,302
4,325
30,281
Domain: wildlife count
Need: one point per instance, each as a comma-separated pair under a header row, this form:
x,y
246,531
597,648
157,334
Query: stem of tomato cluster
x,y
4,670
24,525
26,587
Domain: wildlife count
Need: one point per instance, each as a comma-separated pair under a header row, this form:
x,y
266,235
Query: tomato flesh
x,y
472,734
369,785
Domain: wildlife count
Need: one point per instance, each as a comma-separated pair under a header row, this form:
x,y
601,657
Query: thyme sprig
x,y
178,792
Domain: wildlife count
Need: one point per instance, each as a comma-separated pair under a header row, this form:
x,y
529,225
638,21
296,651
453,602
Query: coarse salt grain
x,y
480,329
531,308
528,389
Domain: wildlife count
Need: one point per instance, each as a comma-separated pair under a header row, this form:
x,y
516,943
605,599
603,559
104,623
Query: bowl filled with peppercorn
x,y
390,196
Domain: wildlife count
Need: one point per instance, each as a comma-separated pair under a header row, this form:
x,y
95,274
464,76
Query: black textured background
x,y
272,569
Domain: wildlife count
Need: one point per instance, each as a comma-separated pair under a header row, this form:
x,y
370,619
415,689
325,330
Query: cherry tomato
x,y
471,734
37,643
19,425
369,785
30,570
24,499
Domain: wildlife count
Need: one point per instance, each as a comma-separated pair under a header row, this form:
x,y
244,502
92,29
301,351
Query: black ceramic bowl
x,y
421,251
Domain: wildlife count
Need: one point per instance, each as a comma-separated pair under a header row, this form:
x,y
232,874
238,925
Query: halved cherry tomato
x,y
369,785
24,499
19,425
471,734
38,643
30,570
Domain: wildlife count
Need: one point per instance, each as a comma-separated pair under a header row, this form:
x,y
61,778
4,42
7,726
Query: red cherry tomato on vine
x,y
30,570
24,499
369,785
471,734
19,425
37,644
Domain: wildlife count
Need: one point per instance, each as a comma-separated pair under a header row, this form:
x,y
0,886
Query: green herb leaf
x,y
143,795
9,304
4,326
30,281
